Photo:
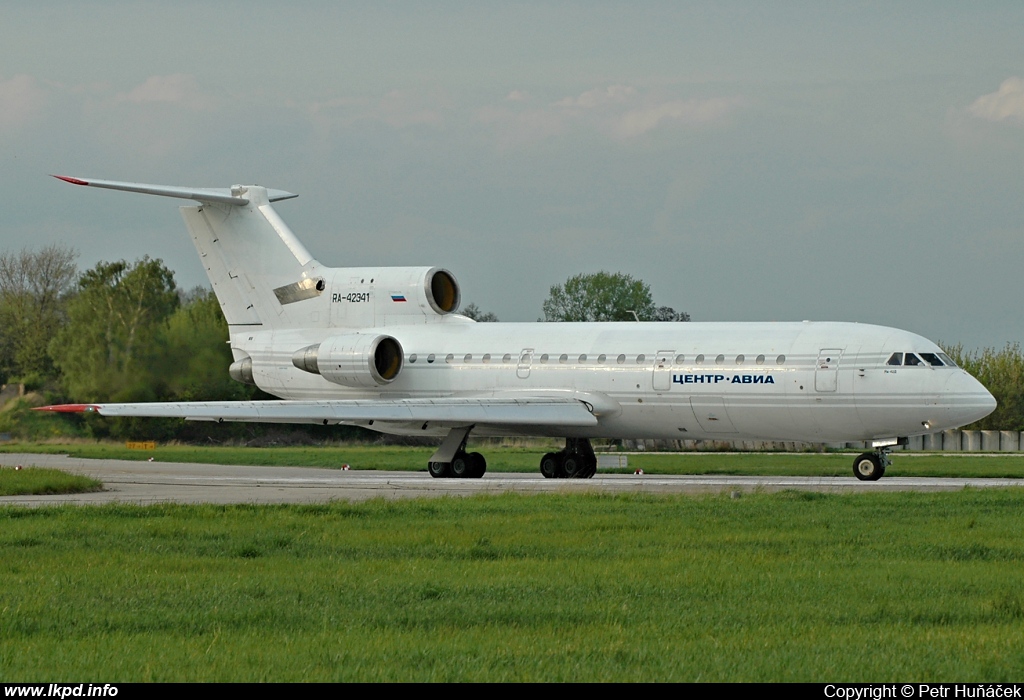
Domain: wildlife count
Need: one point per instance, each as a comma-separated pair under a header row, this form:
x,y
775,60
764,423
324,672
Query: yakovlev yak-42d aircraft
x,y
384,348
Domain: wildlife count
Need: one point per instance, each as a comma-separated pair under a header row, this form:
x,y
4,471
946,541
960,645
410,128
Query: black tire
x,y
573,466
478,465
439,470
550,465
462,466
591,467
868,467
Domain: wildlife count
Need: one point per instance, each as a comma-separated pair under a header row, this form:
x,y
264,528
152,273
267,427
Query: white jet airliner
x,y
384,348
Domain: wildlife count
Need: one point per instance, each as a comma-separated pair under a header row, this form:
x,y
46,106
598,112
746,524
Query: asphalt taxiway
x,y
175,482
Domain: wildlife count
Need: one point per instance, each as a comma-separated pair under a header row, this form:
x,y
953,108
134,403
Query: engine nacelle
x,y
362,297
360,360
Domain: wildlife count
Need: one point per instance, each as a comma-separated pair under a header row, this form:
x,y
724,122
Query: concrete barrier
x,y
971,440
1009,441
951,441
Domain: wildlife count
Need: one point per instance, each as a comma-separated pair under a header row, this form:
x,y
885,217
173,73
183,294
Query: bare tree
x,y
34,286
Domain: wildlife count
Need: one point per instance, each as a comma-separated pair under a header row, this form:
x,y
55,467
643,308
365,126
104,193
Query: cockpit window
x,y
947,359
911,360
896,359
932,359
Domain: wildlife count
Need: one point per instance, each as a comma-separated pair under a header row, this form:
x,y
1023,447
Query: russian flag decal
x,y
397,297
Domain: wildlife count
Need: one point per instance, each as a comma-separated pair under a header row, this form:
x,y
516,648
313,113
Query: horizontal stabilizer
x,y
565,412
233,195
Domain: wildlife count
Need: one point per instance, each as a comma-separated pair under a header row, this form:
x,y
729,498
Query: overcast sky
x,y
749,161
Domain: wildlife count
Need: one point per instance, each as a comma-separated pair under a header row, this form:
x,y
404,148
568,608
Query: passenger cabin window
x,y
896,359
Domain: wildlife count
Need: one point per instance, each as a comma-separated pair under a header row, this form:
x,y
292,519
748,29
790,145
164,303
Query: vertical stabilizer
x,y
257,267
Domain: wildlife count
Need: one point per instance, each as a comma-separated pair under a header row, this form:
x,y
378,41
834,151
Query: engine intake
x,y
354,359
442,291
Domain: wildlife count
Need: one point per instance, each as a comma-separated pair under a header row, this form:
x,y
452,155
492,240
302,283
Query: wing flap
x,y
450,411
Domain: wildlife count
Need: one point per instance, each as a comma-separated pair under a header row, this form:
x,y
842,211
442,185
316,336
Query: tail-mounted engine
x,y
362,297
361,360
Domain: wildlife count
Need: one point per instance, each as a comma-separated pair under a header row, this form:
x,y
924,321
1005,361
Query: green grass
x,y
767,587
526,459
34,481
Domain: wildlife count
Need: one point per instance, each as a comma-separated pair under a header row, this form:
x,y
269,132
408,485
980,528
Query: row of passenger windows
x,y
600,359
921,359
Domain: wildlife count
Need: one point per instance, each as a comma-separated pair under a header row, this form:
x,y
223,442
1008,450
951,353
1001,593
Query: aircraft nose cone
x,y
967,399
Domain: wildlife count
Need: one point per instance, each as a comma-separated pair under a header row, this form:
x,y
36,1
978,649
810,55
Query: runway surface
x,y
174,482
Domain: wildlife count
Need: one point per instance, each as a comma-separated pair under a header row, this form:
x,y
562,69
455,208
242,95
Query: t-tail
x,y
264,277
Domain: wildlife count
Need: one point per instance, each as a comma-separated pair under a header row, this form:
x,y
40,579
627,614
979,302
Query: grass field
x,y
526,459
44,482
788,586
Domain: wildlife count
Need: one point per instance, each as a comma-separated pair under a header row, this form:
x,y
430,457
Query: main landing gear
x,y
452,460
576,461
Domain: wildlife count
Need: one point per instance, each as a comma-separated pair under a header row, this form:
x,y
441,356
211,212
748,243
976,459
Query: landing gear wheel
x,y
868,467
550,465
462,465
573,466
478,465
439,470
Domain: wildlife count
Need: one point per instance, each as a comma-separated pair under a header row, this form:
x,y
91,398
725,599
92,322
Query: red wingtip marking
x,y
72,180
70,408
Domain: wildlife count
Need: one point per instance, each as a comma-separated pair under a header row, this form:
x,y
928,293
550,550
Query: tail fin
x,y
255,263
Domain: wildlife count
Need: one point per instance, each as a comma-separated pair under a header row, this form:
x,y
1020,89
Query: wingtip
x,y
70,408
72,180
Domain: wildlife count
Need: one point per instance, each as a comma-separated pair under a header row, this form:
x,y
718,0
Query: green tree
x,y
606,296
109,346
1002,373
196,353
667,313
34,289
473,311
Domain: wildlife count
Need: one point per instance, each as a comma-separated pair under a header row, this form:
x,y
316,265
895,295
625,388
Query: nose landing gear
x,y
870,466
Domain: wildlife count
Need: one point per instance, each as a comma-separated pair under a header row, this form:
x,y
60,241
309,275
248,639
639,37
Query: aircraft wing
x,y
454,411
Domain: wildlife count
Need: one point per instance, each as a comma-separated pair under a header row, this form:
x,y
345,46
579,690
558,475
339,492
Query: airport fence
x,y
946,441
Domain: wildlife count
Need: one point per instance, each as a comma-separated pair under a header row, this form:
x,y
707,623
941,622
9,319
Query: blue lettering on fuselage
x,y
715,378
